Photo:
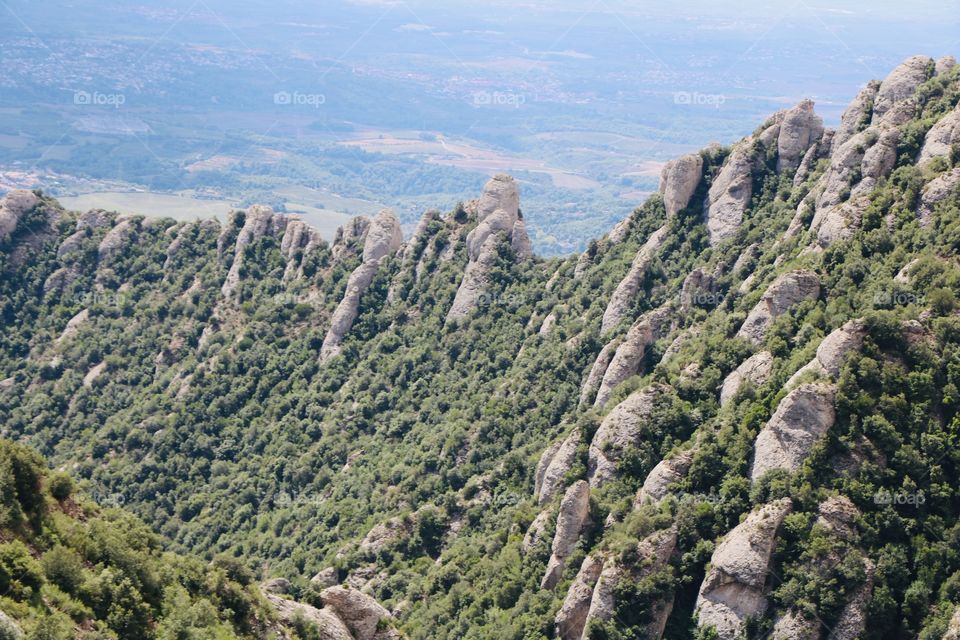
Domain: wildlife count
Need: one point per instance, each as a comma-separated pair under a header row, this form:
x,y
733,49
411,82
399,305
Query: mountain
x,y
733,415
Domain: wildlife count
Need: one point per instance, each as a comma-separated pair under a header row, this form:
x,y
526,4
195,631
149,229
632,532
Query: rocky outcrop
x,y
794,626
8,626
555,465
941,137
385,534
592,382
853,618
536,532
73,325
299,241
113,242
857,115
12,209
801,419
259,221
667,472
363,616
498,216
326,620
625,295
699,289
944,65
730,193
733,589
953,629
938,190
801,128
901,84
839,222
383,238
679,180
325,578
621,428
571,521
833,351
571,619
630,355
756,370
786,291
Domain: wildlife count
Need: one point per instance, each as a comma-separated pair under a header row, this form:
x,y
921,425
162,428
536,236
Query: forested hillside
x,y
733,415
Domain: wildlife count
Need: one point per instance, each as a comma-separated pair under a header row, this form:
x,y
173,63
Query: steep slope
x,y
735,414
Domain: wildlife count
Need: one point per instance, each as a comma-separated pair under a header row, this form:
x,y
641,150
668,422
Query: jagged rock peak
x,y
571,520
801,128
500,192
786,291
383,236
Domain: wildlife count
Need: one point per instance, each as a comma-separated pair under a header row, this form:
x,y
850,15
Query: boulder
x,y
698,290
602,602
833,351
936,191
794,626
733,589
571,521
385,534
362,615
542,465
901,84
756,370
801,128
679,180
785,292
620,231
941,137
326,620
277,586
556,468
801,419
621,428
325,578
12,209
500,192
667,472
571,619
625,295
838,515
730,193
383,236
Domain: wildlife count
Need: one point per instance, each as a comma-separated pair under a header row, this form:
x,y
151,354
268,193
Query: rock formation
x,y
383,238
901,84
258,222
12,208
730,193
801,128
786,291
620,429
801,419
666,472
498,216
629,357
113,242
733,589
360,613
553,466
625,295
329,625
833,351
571,619
936,191
857,116
756,370
679,180
571,521
941,137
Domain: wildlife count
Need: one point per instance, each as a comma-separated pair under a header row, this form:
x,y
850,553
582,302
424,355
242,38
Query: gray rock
x,y
277,586
558,466
73,325
838,515
800,130
833,351
12,209
953,629
326,620
945,64
476,280
756,370
733,589
113,242
620,429
361,614
902,83
794,626
698,290
786,291
857,116
839,222
325,578
520,241
536,532
571,619
385,534
667,472
626,292
678,181
348,236
500,192
853,618
941,137
620,231
936,191
801,419
259,221
571,521
730,193
9,628
629,357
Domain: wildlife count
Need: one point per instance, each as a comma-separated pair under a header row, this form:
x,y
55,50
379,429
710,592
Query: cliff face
x,y
735,411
